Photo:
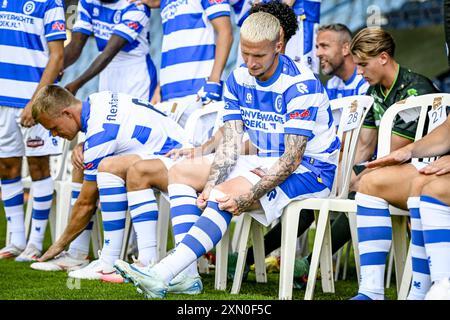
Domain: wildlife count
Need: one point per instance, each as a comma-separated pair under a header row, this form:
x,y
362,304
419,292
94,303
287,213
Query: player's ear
x,y
67,112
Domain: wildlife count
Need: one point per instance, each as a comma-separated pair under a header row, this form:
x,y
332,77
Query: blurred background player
x,y
197,38
31,56
122,36
301,46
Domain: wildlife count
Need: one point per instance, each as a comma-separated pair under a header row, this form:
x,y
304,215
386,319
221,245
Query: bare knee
x,y
438,189
189,173
113,166
372,183
39,167
147,174
139,176
10,168
417,185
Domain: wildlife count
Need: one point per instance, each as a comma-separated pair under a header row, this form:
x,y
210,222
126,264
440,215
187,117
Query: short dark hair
x,y
281,11
337,27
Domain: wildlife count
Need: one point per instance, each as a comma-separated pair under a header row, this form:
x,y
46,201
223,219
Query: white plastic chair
x,y
354,110
191,128
435,104
57,167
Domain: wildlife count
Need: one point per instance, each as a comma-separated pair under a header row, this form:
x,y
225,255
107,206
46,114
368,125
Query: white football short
x,y
136,77
312,179
17,141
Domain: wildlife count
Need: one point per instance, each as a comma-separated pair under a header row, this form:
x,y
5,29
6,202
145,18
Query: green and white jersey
x,y
406,84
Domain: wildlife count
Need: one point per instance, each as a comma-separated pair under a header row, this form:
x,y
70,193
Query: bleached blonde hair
x,y
261,26
51,99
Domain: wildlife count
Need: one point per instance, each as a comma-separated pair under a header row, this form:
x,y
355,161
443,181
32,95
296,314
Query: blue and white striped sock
x,y
202,237
80,245
374,235
435,216
114,205
421,280
184,214
12,196
144,214
42,203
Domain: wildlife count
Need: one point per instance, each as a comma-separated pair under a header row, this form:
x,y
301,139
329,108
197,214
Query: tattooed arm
x,y
225,158
295,146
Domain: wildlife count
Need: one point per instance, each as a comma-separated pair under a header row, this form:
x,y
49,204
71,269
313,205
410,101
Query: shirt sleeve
x,y
232,111
54,21
216,8
99,144
303,100
84,18
363,86
133,20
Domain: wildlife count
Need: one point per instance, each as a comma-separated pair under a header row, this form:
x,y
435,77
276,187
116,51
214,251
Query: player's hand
x,y
235,206
439,167
188,153
210,91
73,87
203,197
26,119
52,252
396,157
77,156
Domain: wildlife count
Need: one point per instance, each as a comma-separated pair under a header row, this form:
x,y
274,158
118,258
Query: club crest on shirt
x,y
117,17
28,7
279,103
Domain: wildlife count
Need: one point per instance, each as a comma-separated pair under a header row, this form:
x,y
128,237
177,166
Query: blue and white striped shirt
x,y
292,101
116,123
121,18
309,8
338,88
25,29
188,44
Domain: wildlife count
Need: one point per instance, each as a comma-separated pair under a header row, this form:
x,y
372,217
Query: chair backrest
x,y
203,122
430,108
353,111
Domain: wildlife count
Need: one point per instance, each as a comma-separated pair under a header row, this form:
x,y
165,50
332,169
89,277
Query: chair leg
x,y
319,254
347,258
258,252
162,226
338,263
126,237
63,197
242,252
220,279
400,246
236,233
407,278
52,221
389,269
289,221
96,235
354,234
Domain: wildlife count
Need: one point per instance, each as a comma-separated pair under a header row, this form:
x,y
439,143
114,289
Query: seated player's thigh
x,y
118,165
392,183
150,173
192,172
